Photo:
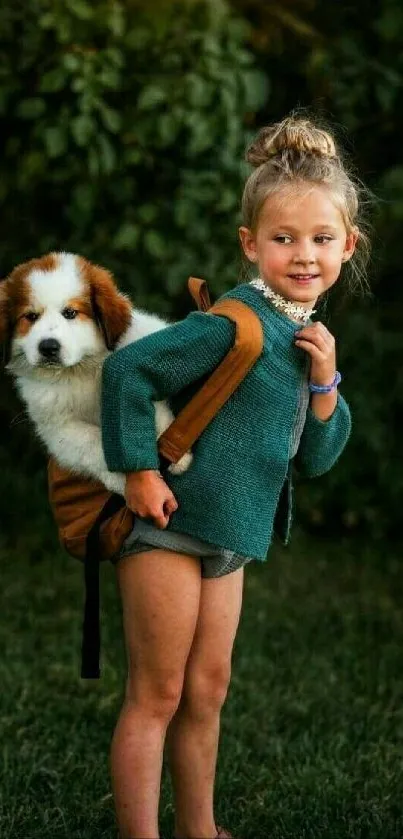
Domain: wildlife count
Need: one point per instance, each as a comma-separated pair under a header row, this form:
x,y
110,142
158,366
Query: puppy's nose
x,y
49,348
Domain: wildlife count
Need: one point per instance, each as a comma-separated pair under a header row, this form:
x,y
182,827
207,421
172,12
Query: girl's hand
x,y
321,346
149,496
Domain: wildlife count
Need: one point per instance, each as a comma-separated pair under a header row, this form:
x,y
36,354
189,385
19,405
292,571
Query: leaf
x,y
55,141
78,84
168,128
82,129
201,137
84,197
71,61
150,97
138,38
294,23
31,108
199,91
127,236
111,119
53,81
110,78
93,161
108,155
155,244
47,20
182,209
115,18
147,213
81,9
256,86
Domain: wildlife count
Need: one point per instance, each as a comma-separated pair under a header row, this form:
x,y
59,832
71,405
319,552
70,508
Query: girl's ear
x,y
248,243
112,310
350,245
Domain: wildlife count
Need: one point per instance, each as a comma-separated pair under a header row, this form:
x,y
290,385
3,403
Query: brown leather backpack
x,y
93,522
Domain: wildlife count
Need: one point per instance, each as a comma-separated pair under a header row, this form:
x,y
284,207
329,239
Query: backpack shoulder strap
x,y
200,293
196,415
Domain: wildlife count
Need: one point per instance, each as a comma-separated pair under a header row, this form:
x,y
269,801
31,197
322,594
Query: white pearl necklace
x,y
298,312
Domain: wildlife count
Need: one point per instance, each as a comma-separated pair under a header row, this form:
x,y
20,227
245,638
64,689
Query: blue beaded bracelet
x,y
325,388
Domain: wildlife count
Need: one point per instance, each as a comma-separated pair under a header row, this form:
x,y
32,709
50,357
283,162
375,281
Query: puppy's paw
x,y
182,465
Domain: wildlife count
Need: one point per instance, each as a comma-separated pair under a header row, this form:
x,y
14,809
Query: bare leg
x,y
193,733
160,597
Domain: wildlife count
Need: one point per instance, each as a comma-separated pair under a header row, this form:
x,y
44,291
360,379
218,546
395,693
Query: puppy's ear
x,y
112,310
5,322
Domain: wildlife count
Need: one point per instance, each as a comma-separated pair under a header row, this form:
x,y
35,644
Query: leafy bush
x,y
126,133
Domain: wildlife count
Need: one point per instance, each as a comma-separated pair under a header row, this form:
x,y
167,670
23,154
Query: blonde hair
x,y
296,151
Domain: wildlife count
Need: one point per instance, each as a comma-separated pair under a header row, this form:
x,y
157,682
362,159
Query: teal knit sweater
x,y
241,469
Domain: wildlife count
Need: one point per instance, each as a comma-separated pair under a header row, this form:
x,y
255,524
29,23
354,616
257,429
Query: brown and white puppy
x,y
60,317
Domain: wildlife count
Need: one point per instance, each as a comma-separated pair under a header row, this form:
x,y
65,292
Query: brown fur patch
x,y
15,294
22,327
111,308
82,306
42,263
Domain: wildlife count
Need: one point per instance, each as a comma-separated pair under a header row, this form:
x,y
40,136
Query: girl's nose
x,y
304,254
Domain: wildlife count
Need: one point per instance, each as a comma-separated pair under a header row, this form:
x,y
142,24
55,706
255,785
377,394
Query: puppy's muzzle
x,y
49,349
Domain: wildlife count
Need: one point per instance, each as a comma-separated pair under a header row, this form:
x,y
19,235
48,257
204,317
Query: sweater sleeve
x,y
322,442
151,369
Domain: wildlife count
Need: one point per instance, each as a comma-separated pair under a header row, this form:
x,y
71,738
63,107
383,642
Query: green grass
x,y
312,730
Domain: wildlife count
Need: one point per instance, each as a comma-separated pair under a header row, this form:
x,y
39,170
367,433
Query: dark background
x,y
124,132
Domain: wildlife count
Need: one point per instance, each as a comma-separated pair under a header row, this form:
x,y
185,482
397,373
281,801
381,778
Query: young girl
x,y
181,569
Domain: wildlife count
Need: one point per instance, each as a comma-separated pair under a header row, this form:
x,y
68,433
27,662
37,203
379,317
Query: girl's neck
x,y
295,311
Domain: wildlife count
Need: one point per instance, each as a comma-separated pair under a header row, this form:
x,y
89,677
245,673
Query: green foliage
x,y
126,133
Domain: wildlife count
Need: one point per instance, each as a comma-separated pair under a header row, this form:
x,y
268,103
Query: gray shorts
x,y
214,561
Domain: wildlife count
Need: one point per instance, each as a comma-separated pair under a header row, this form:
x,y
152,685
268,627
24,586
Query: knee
x,y
157,696
205,690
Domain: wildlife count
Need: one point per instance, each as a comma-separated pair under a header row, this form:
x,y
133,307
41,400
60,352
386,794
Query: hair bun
x,y
291,134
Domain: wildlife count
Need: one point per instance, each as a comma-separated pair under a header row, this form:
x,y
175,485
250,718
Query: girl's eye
x,y
69,314
322,239
283,240
31,316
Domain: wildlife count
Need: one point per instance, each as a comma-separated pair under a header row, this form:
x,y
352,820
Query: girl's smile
x,y
300,243
303,279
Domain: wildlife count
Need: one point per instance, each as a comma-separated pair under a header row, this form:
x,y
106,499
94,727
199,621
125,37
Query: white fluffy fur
x,y
64,400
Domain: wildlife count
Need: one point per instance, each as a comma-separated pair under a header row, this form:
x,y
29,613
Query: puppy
x,y
60,317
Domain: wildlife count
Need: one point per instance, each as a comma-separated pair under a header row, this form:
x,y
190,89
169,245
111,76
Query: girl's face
x,y
299,244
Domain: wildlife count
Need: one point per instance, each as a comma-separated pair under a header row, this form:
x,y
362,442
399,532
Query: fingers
x,y
313,351
317,341
161,521
149,496
317,334
171,504
168,506
320,344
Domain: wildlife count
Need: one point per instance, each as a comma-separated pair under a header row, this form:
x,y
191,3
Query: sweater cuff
x,y
323,441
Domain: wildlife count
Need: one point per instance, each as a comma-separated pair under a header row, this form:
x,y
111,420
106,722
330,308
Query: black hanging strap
x,y
91,637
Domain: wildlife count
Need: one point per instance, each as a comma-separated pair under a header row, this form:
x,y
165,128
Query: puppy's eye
x,y
31,316
69,314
